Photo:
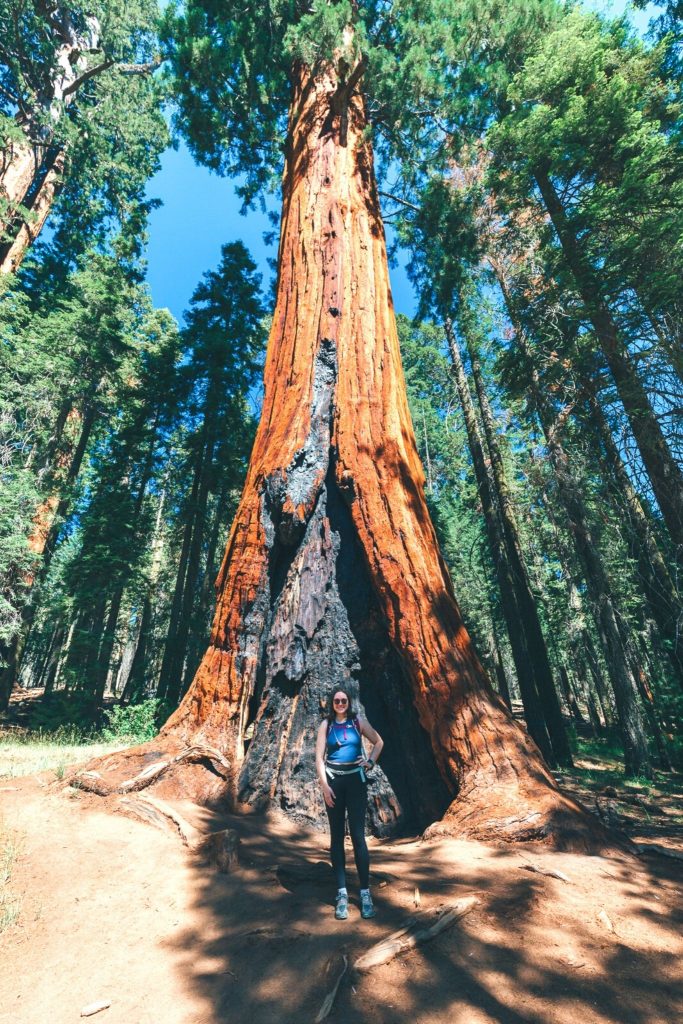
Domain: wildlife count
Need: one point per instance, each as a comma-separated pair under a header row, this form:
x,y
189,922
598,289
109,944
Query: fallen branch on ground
x,y
416,931
605,920
550,872
92,1008
329,999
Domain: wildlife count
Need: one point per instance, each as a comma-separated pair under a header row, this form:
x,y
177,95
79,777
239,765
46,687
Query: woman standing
x,y
342,768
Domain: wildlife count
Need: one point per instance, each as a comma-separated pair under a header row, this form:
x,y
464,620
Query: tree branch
x,y
140,69
90,73
125,69
402,202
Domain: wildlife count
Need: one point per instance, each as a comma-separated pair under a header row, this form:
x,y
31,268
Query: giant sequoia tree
x,y
332,572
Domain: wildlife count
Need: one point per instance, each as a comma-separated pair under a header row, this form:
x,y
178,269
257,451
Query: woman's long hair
x,y
350,710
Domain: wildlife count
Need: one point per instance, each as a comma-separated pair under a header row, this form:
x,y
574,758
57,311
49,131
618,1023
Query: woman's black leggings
x,y
351,796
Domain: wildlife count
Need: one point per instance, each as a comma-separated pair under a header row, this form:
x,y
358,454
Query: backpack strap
x,y
355,723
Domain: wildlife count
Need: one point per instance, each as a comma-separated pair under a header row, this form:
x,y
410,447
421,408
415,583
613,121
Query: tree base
x,y
197,773
511,814
498,814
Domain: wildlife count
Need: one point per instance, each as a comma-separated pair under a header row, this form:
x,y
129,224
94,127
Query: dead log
x,y
329,999
221,849
416,931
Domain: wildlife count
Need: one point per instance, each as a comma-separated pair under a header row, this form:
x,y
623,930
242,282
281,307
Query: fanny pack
x,y
333,772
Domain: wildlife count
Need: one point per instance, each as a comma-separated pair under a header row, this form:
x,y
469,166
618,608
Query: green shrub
x,y
67,717
133,721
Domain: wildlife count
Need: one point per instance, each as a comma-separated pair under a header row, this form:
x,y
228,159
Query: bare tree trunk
x,y
664,473
26,164
526,602
637,760
198,635
174,650
47,523
134,685
503,685
663,600
13,252
521,654
21,163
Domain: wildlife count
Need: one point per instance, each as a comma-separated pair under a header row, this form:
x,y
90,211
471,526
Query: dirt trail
x,y
114,909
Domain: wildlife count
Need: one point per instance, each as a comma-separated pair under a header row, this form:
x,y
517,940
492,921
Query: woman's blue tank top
x,y
344,742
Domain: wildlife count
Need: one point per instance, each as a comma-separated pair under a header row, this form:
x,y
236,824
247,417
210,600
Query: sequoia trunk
x,y
21,163
332,572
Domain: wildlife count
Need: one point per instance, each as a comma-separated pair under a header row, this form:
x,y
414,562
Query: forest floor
x,y
96,906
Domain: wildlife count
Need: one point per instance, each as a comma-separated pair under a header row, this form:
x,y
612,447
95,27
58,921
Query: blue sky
x,y
201,212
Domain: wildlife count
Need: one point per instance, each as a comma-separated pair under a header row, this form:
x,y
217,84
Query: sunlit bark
x,y
332,571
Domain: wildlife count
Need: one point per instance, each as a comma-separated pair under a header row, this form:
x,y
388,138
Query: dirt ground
x,y
115,910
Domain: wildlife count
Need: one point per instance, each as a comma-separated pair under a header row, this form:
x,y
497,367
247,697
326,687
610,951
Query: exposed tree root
x,y
111,774
514,813
663,851
552,873
508,811
160,814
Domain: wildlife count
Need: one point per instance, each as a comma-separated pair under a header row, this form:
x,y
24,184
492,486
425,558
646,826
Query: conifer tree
x,y
63,345
222,342
79,116
332,570
596,143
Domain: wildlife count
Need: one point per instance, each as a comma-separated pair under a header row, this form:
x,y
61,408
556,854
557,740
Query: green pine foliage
x,y
79,80
125,437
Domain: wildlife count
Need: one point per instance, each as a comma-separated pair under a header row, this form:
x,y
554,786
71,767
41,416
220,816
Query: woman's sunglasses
x,y
339,700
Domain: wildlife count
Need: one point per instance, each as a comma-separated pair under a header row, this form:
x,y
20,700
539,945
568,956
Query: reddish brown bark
x,y
332,572
21,162
66,451
334,491
39,210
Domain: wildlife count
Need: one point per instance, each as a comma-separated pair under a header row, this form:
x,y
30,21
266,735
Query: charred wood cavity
x,y
323,628
289,496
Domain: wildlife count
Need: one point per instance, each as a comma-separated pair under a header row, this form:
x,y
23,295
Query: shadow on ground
x,y
535,950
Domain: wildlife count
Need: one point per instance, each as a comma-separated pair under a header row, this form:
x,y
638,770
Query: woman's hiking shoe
x,y
341,908
367,907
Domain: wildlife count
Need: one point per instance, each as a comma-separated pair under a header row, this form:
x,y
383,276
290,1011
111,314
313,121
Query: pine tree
x,y
221,341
